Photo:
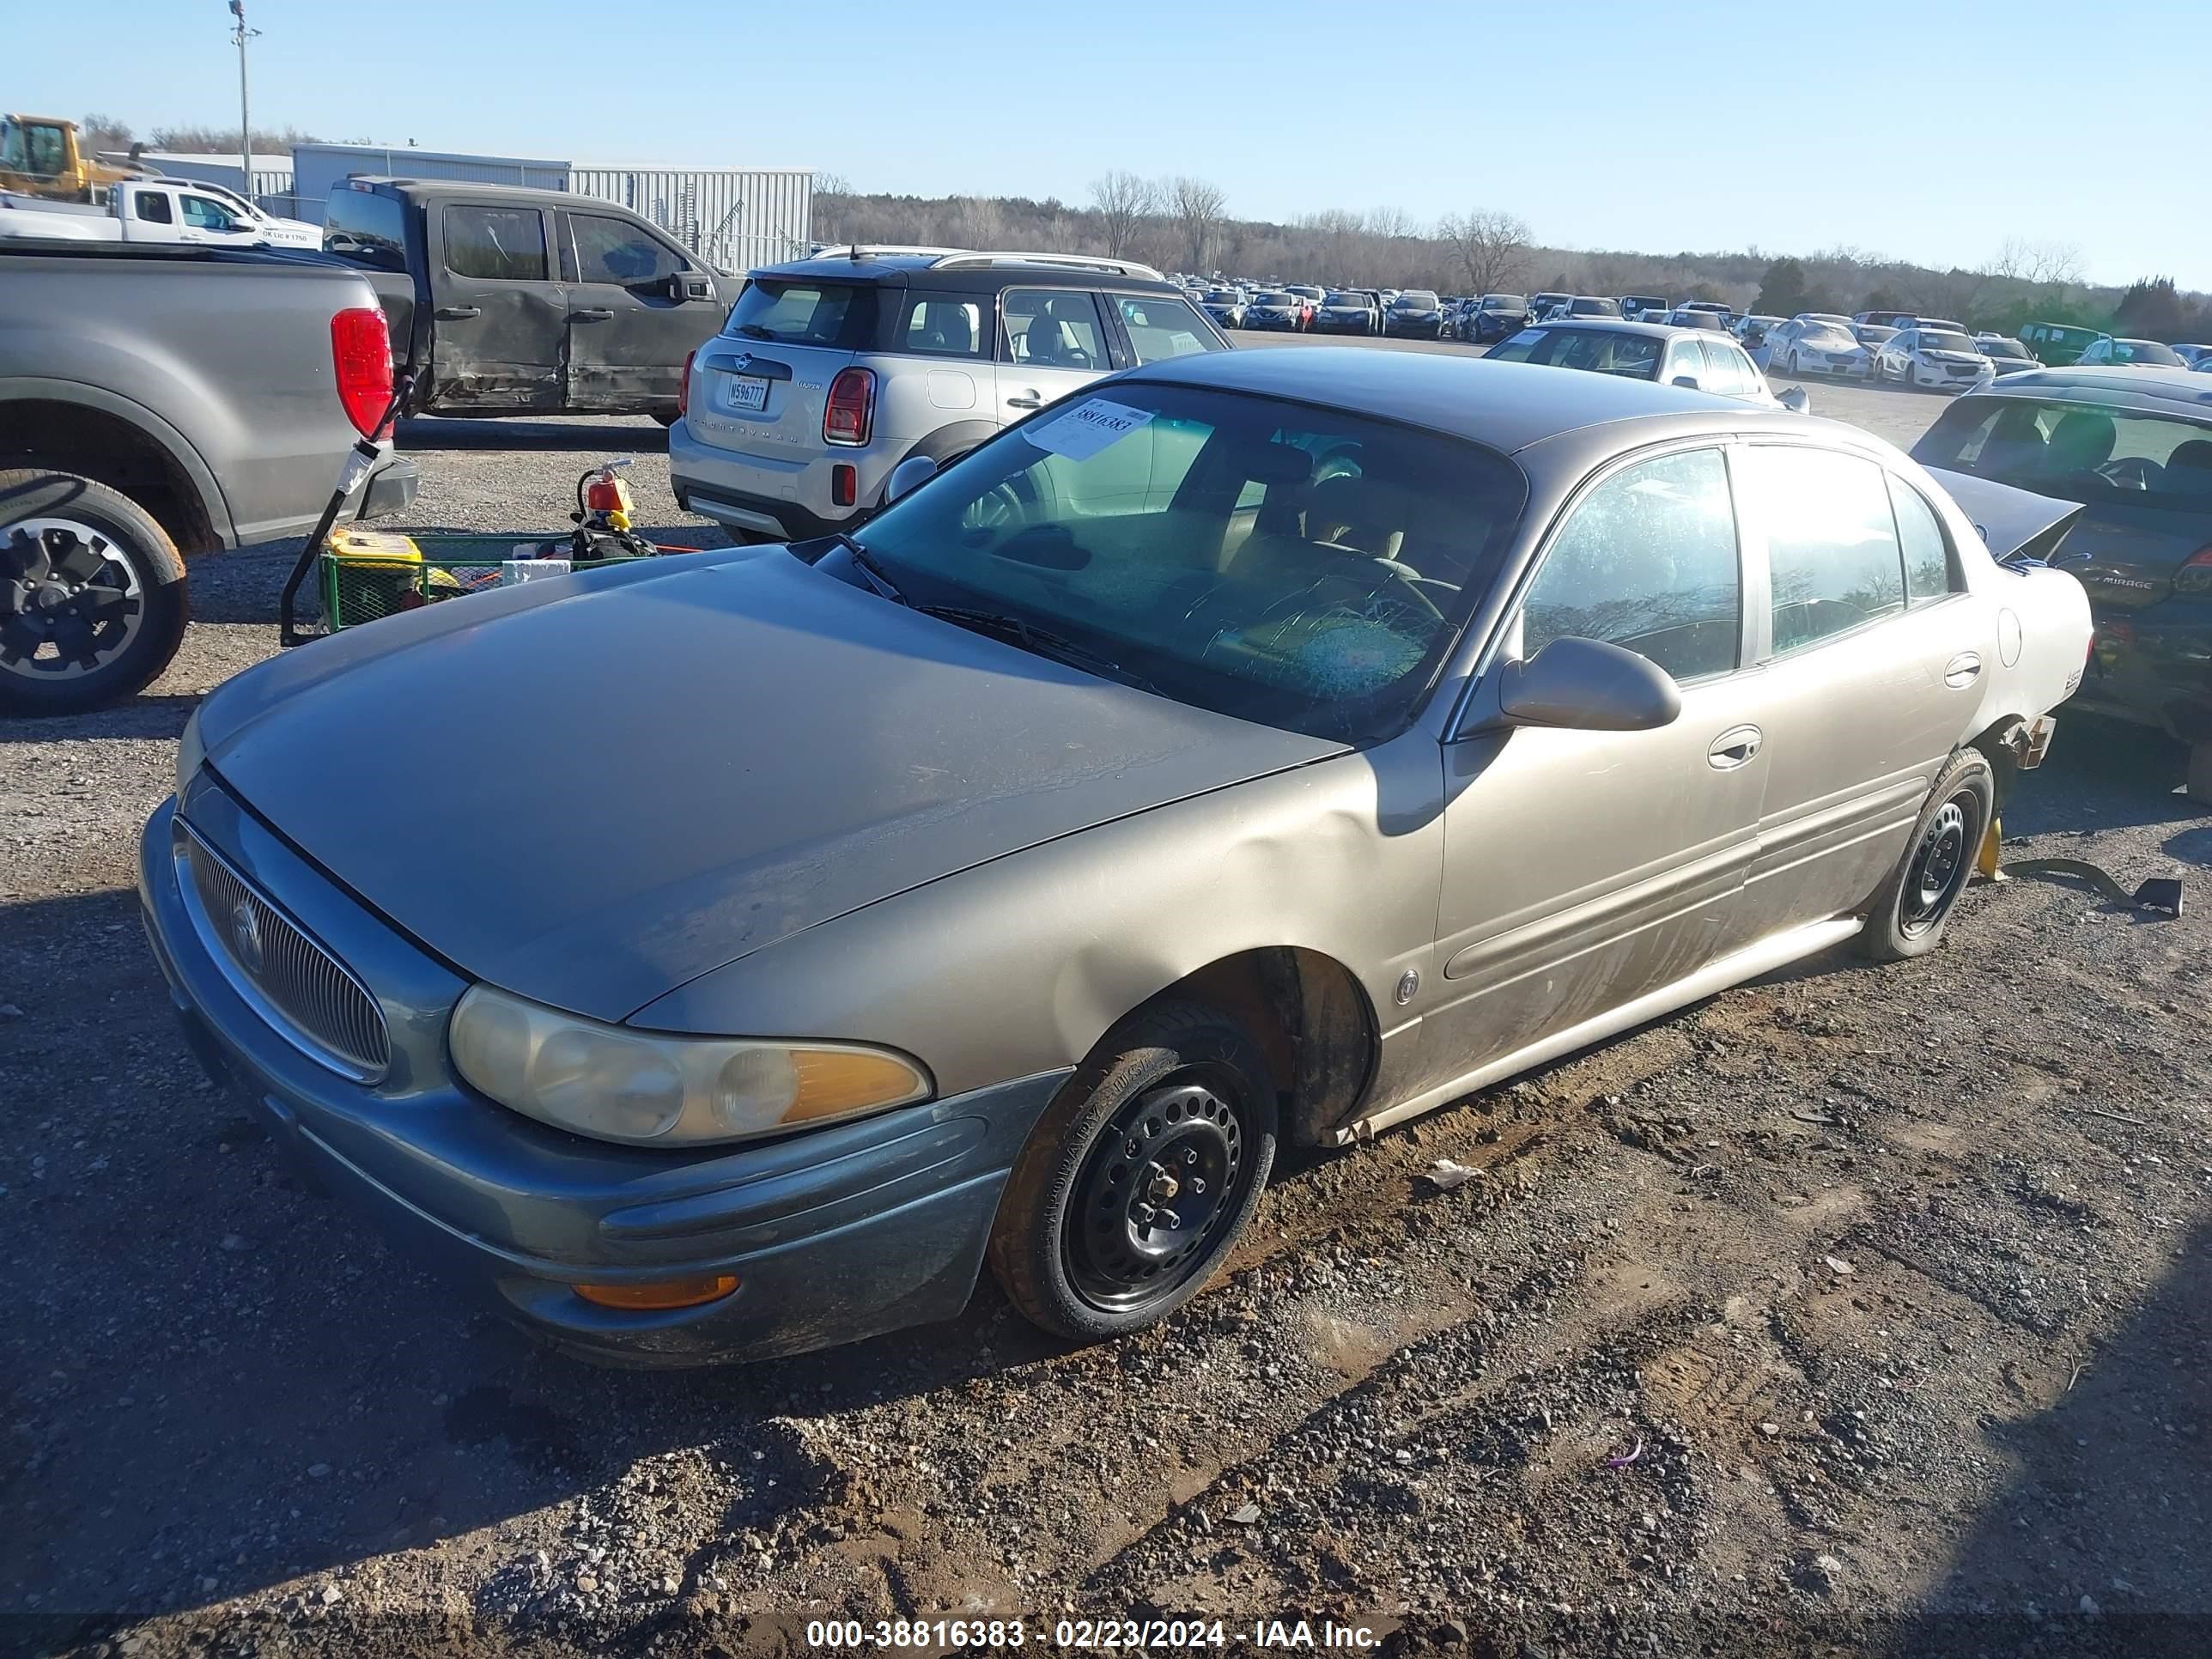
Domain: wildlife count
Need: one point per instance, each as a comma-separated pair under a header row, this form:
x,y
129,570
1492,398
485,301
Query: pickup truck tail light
x,y
683,387
360,351
849,417
2195,576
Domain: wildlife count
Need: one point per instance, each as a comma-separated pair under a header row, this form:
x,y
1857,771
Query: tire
x,y
106,607
1178,1082
1908,913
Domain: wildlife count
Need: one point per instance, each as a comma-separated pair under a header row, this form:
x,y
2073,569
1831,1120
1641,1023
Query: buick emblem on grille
x,y
246,937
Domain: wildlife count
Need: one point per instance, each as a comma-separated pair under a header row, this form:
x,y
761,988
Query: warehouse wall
x,y
729,218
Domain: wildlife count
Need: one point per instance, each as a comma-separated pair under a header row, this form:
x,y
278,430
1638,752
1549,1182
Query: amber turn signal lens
x,y
665,1294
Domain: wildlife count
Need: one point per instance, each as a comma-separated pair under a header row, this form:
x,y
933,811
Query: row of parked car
x,y
1306,308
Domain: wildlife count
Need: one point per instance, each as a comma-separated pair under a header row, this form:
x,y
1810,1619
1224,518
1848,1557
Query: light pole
x,y
240,36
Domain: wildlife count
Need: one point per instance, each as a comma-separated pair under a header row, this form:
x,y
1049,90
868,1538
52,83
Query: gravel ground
x,y
1858,1310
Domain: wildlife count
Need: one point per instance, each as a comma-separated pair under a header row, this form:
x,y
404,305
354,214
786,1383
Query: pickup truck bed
x,y
156,402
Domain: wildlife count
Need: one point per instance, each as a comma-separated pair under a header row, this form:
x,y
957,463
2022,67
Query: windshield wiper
x,y
1016,630
874,571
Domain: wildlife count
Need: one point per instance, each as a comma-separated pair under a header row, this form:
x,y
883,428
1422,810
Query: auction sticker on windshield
x,y
1088,427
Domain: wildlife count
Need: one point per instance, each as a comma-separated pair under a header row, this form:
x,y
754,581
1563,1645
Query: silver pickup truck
x,y
157,403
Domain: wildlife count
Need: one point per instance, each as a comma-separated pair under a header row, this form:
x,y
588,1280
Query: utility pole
x,y
240,36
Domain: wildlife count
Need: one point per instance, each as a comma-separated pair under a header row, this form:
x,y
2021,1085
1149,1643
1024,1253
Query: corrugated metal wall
x,y
319,168
731,218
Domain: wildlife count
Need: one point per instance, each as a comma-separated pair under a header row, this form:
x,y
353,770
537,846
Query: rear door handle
x,y
1962,669
1734,747
458,313
591,313
1028,400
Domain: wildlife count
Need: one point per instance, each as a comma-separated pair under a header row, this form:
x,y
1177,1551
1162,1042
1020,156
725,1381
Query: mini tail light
x,y
360,353
2195,575
849,417
844,483
683,387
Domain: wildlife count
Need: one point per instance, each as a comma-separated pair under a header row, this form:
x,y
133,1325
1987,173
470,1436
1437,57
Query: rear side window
x,y
2076,452
153,207
610,250
1160,328
1647,562
800,311
366,229
946,324
1831,542
499,245
1928,574
1055,328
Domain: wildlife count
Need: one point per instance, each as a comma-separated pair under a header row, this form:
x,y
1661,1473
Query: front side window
x,y
1298,567
1928,573
1832,551
1647,562
1055,328
1160,328
2075,451
1687,362
153,207
944,325
501,244
609,250
1726,371
202,214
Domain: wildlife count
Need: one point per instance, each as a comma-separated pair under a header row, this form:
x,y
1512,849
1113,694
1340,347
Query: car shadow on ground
x,y
158,717
2117,1465
634,436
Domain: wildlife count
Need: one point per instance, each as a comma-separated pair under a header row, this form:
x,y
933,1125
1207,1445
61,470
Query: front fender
x,y
1020,965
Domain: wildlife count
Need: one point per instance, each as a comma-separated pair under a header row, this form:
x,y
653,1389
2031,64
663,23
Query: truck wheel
x,y
1137,1180
1907,915
92,594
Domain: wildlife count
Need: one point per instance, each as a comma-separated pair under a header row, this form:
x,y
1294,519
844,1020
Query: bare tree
x,y
976,222
1491,247
1123,202
1389,224
1199,210
2041,264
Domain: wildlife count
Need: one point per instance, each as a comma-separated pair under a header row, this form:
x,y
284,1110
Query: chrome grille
x,y
296,985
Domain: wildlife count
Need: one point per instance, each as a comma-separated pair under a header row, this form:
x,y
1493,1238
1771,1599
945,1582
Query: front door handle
x,y
1028,399
1734,747
1959,672
459,314
591,313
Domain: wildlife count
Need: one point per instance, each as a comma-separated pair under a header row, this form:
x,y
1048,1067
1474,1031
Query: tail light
x,y
360,352
849,417
683,387
2195,576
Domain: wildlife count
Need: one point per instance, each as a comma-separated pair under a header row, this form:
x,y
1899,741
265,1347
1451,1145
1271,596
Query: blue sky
x,y
1650,126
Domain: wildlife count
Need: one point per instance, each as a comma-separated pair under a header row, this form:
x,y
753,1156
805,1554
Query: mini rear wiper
x,y
1018,631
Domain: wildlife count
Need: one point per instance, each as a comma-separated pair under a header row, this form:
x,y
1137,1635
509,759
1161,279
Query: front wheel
x,y
92,594
1140,1175
1909,911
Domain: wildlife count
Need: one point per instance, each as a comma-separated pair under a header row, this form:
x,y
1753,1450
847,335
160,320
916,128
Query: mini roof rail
x,y
874,250
1061,261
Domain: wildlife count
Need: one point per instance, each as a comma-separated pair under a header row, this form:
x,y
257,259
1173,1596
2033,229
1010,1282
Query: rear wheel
x,y
1139,1178
1909,911
92,594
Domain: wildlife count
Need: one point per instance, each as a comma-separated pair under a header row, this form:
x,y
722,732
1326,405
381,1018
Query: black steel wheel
x,y
92,594
1139,1178
1909,912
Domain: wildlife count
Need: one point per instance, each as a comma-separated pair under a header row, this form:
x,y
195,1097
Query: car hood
x,y
591,789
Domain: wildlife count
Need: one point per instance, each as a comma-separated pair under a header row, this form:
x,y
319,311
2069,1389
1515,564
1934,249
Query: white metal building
x,y
732,218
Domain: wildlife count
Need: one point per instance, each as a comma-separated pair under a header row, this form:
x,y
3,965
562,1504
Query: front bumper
x,y
833,1235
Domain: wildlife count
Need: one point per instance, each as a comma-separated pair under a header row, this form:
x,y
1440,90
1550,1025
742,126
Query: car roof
x,y
921,270
402,183
1505,406
2156,389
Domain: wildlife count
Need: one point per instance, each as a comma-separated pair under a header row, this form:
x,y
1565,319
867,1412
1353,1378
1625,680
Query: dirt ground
x,y
1861,1310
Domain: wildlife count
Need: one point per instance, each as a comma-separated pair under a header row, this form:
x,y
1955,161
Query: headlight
x,y
189,753
650,1088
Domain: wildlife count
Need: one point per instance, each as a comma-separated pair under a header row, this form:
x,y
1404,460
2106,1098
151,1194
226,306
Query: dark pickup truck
x,y
511,302
157,403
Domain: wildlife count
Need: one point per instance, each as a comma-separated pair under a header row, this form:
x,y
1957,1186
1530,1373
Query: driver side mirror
x,y
909,475
689,285
1586,685
1688,382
